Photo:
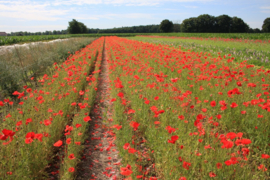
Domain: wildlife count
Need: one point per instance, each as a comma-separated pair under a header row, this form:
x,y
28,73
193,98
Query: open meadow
x,y
171,108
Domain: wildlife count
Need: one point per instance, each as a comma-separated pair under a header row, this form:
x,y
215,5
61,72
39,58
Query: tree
x,y
224,23
257,30
266,25
189,25
206,23
176,26
76,27
166,26
83,28
238,25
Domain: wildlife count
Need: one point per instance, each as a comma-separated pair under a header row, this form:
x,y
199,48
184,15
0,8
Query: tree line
x,y
203,23
211,24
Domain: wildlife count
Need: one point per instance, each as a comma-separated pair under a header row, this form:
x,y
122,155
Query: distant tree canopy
x,y
220,24
166,26
133,29
266,25
76,27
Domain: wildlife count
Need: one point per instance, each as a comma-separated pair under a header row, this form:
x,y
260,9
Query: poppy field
x,y
176,114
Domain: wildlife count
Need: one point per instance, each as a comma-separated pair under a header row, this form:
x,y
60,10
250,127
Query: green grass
x,y
33,62
7,40
22,39
262,36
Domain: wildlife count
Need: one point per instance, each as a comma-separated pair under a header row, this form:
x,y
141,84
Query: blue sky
x,y
42,15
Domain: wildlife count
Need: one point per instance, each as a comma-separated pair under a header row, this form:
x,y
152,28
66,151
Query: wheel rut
x,y
100,158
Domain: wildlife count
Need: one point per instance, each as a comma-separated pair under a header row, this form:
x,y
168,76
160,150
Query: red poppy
x,y
170,129
186,165
58,143
7,133
219,165
28,121
68,141
262,167
71,169
47,122
134,125
173,139
211,174
126,171
71,156
131,150
234,105
213,103
182,178
121,95
181,117
126,146
131,111
242,142
87,118
265,156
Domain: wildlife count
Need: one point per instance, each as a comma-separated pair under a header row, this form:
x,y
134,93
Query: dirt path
x,y
101,159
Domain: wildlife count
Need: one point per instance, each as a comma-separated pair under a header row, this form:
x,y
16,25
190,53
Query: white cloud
x,y
266,11
193,7
121,2
116,16
27,10
265,7
38,28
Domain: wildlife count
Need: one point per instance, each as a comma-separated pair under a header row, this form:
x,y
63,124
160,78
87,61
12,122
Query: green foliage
x,y
18,66
76,27
166,26
238,25
223,23
207,23
266,25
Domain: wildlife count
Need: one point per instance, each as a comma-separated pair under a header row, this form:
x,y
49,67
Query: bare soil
x,y
100,158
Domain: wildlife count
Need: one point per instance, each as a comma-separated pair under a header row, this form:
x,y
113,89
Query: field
x,y
177,108
23,39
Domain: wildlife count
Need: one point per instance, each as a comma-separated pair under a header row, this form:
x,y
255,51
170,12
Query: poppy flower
x,y
126,146
121,95
262,167
58,143
219,165
71,156
265,156
170,129
71,169
173,139
211,174
182,178
68,141
186,165
7,133
213,103
242,142
134,125
87,118
131,111
234,105
131,150
126,171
